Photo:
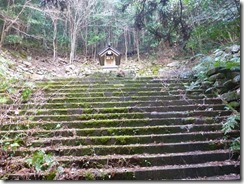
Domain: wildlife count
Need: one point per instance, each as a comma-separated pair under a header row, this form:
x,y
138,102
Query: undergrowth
x,y
230,124
43,162
200,71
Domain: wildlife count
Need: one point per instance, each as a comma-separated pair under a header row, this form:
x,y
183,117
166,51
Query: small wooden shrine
x,y
109,57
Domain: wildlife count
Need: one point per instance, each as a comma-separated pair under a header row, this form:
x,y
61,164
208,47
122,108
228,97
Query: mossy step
x,y
169,172
127,139
125,98
81,79
112,80
112,85
225,177
134,115
150,117
128,109
112,131
103,87
150,148
112,89
183,172
136,103
114,123
122,93
117,99
143,160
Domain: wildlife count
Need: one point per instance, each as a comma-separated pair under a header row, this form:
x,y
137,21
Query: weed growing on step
x,y
193,85
236,144
11,143
26,93
122,139
104,140
43,162
232,123
10,146
89,176
148,163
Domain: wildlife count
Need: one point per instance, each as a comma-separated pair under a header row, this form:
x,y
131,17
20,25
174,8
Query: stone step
x,y
125,98
181,172
70,111
108,88
154,114
135,160
111,131
150,148
119,128
113,89
225,177
144,160
114,85
115,123
112,80
122,93
125,139
108,104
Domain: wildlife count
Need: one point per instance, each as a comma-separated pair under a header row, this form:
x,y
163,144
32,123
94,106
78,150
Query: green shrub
x,y
13,39
231,123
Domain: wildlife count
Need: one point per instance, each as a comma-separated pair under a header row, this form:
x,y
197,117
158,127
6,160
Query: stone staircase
x,y
119,128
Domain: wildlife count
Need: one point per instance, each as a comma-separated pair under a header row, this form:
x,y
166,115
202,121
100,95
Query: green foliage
x,y
41,161
26,93
94,38
201,69
208,63
10,146
13,39
231,123
226,64
193,85
197,26
10,81
6,79
3,100
213,25
236,144
89,176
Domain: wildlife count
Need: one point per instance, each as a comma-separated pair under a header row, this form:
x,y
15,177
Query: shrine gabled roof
x,y
103,52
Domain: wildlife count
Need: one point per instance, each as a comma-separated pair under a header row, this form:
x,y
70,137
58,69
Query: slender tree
x,y
77,14
10,18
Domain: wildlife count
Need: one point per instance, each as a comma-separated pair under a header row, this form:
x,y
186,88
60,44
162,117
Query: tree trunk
x,y
126,43
86,39
95,50
65,35
134,40
138,45
129,41
73,45
3,34
6,27
54,39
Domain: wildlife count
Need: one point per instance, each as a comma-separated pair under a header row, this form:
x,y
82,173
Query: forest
x,y
135,27
120,89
